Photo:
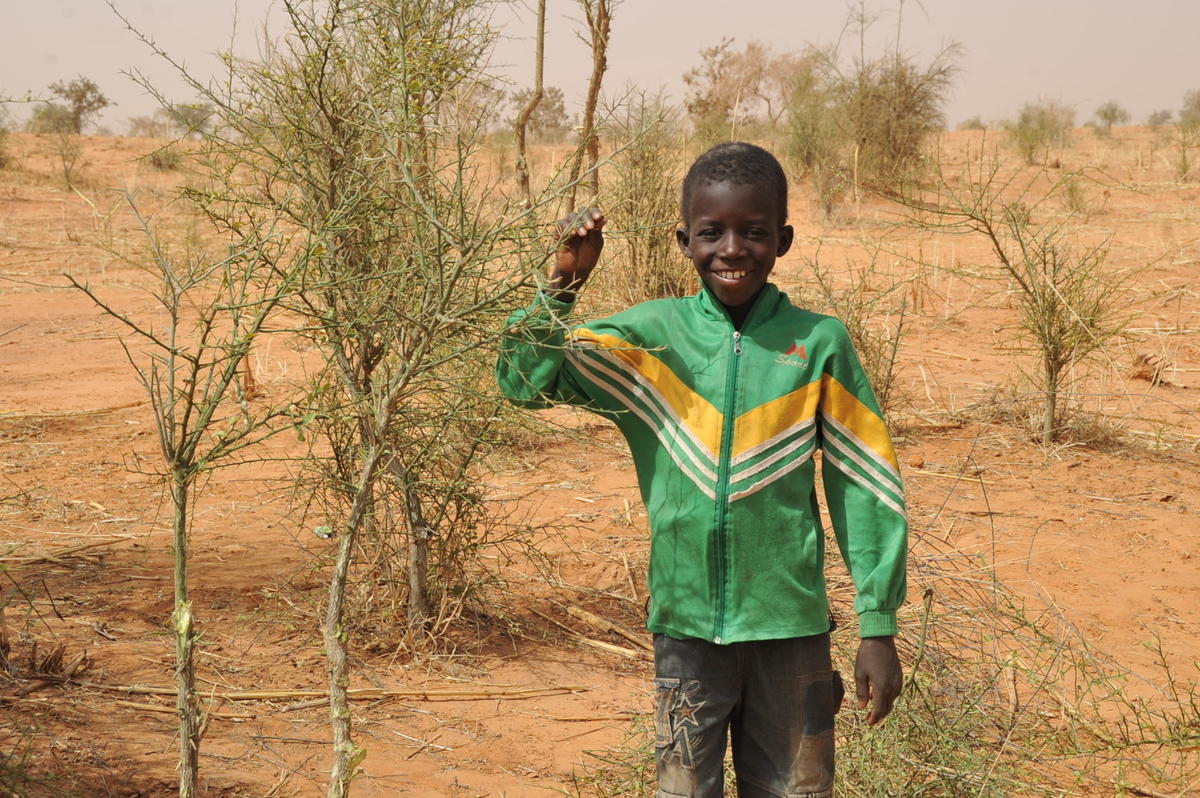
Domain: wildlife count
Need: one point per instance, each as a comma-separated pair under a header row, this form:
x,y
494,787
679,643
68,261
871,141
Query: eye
x,y
708,233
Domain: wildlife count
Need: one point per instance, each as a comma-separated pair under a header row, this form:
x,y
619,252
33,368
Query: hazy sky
x,y
1142,53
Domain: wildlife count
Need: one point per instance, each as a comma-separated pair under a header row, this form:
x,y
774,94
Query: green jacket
x,y
723,426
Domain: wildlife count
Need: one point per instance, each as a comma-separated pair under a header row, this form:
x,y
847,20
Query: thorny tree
x,y
347,132
1070,304
188,360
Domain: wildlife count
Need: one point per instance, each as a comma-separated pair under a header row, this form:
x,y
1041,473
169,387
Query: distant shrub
x,y
1189,114
809,129
973,123
891,105
864,124
1073,195
190,119
51,118
1039,127
1187,133
1110,114
165,159
157,126
1161,117
4,156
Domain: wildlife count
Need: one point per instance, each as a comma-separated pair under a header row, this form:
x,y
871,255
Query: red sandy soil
x,y
1106,532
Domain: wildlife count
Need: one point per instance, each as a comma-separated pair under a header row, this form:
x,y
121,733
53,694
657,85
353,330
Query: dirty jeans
x,y
776,698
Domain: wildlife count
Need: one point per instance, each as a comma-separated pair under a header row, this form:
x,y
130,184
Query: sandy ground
x,y
1105,531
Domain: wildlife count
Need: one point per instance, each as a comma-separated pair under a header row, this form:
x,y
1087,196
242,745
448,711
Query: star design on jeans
x,y
686,709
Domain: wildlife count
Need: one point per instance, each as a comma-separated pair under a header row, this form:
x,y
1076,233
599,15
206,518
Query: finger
x,y
885,699
862,689
882,707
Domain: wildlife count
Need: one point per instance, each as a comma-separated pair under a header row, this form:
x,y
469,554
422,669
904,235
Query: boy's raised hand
x,y
878,676
579,248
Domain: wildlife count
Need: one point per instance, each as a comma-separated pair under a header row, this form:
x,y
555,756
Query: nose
x,y
730,245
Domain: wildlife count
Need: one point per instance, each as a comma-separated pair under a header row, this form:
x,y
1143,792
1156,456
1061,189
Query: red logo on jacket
x,y
795,355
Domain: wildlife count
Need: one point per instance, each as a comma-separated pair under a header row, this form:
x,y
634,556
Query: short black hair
x,y
737,162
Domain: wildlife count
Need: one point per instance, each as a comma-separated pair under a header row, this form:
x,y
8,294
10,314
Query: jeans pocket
x,y
666,692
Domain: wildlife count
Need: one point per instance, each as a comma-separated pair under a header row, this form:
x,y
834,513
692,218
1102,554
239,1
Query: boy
x,y
724,397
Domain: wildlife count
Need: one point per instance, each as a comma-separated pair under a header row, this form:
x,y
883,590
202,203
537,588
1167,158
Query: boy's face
x,y
733,235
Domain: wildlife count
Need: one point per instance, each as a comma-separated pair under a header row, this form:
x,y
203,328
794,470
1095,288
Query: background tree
x,y
711,97
1160,117
1040,127
527,108
1187,133
549,120
191,119
889,106
1109,114
731,88
4,122
597,15
51,118
82,98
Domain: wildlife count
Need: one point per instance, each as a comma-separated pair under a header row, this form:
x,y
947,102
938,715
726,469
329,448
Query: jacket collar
x,y
765,305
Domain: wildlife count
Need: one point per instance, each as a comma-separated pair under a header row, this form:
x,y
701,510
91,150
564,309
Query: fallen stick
x,y
632,653
1142,791
358,693
312,703
587,641
973,478
70,413
605,625
21,562
174,710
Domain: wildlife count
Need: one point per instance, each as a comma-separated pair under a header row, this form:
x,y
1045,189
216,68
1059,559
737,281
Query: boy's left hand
x,y
878,676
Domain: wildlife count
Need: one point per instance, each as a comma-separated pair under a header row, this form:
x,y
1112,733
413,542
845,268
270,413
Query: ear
x,y
684,241
786,234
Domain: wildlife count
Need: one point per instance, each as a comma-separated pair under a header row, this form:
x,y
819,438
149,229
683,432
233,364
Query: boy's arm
x,y
865,498
531,369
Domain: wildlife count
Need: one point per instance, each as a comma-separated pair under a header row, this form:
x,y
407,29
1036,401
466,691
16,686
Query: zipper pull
x,y
737,343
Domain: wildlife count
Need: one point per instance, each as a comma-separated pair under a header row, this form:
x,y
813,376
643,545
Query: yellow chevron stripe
x,y
696,413
764,422
869,428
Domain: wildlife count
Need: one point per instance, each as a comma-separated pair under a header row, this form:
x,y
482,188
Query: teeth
x,y
733,275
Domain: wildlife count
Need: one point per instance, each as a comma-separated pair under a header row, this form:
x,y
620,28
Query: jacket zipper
x,y
723,482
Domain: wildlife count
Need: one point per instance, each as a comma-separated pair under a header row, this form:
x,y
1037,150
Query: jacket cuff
x,y
877,623
555,306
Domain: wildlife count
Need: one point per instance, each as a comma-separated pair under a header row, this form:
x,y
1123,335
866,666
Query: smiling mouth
x,y
733,275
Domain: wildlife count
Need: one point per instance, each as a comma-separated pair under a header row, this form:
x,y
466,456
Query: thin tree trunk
x,y
1050,409
523,118
598,21
418,548
185,675
346,754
